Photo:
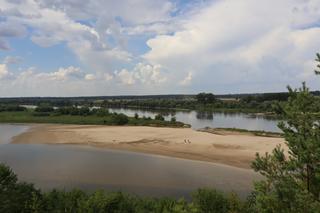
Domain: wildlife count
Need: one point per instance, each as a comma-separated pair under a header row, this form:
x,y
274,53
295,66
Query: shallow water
x,y
90,168
199,119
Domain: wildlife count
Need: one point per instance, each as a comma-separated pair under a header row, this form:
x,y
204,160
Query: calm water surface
x,y
89,168
211,119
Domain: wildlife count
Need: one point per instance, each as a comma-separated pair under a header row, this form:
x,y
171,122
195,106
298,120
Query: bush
x,y
210,201
12,108
159,117
120,119
44,109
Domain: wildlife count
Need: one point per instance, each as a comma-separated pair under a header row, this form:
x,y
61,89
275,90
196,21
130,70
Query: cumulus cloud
x,y
141,73
62,74
244,43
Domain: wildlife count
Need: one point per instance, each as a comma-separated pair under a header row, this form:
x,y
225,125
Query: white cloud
x,y
62,74
90,77
187,80
242,43
144,74
108,77
4,73
12,60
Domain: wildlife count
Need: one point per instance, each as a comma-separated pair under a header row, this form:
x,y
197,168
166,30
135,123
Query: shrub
x,y
159,117
120,119
44,109
173,119
207,200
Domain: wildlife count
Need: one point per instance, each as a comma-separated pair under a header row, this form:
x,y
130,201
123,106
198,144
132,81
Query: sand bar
x,y
233,149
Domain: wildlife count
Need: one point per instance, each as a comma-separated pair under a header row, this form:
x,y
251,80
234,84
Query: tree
x,y
293,179
16,196
120,119
205,98
317,71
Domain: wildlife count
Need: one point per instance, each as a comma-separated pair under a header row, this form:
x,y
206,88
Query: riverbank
x,y
235,149
236,131
117,119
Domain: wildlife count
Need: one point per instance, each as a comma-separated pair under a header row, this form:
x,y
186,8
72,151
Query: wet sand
x,y
231,149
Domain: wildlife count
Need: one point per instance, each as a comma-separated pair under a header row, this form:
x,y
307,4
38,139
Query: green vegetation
x,y
293,181
18,196
251,132
205,98
261,103
11,108
74,115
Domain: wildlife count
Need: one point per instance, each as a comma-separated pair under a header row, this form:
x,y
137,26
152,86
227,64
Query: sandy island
x,y
231,149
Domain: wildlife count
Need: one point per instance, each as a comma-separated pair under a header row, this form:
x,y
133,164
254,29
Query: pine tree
x,y
292,181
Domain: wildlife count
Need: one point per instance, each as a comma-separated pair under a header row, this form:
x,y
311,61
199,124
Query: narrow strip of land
x,y
231,149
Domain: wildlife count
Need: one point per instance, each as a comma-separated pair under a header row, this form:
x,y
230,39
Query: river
x,y
88,168
201,119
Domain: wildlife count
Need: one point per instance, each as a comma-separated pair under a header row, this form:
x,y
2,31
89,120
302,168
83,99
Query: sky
x,y
145,47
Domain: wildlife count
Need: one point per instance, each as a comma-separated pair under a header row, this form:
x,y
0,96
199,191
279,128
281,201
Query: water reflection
x,y
201,119
204,115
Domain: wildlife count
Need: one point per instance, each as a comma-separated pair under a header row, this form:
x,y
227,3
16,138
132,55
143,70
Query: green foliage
x,y
44,108
205,98
317,71
22,197
15,196
120,119
210,201
96,117
12,108
249,103
292,179
159,117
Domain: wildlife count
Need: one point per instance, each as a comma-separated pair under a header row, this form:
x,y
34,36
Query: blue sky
x,y
105,47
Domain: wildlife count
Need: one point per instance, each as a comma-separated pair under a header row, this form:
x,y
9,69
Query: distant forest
x,y
251,103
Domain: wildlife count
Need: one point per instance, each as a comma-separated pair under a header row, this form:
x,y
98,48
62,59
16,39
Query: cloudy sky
x,y
113,47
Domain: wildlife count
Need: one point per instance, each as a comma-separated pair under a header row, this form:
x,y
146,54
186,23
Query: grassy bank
x,y
30,116
243,131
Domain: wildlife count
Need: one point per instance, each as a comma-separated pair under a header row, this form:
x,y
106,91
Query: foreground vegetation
x,y
73,115
18,196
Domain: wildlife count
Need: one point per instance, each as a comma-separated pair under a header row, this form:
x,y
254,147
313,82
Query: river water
x,y
66,167
198,119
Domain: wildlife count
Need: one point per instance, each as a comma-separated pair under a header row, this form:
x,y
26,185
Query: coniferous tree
x,y
292,181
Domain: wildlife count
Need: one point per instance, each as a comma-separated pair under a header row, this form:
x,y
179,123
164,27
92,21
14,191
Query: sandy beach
x,y
231,149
